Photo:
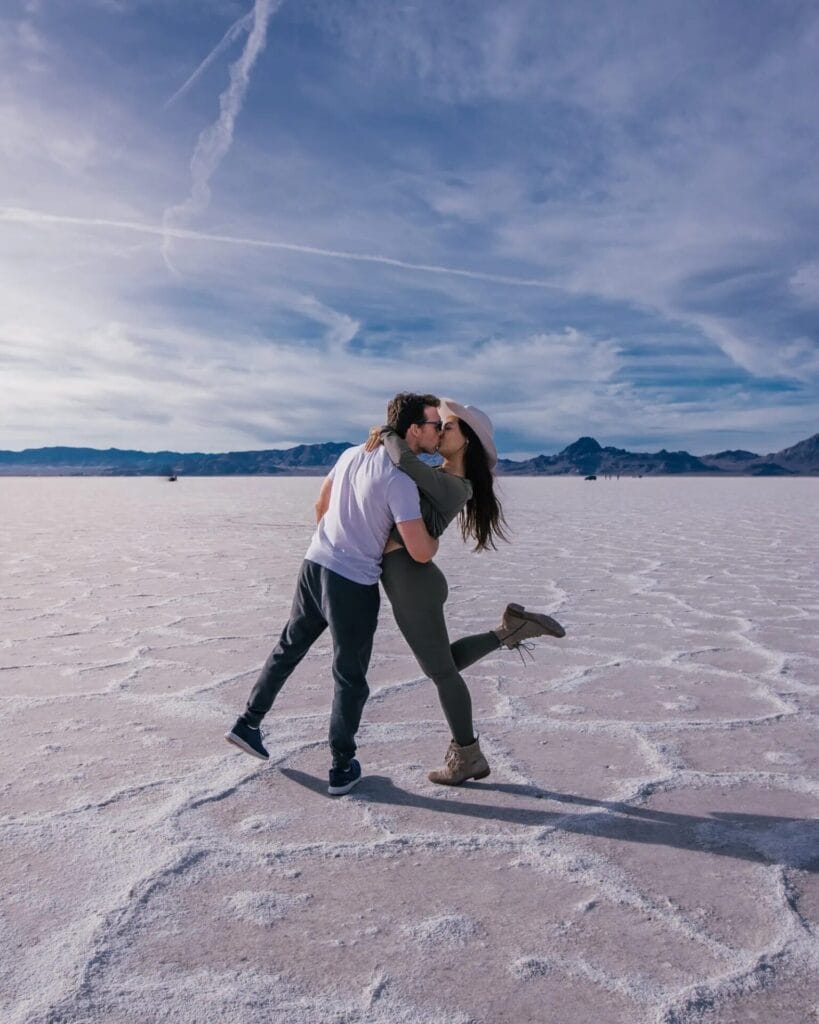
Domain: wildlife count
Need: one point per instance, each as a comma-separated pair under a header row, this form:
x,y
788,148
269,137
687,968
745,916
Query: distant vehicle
x,y
591,476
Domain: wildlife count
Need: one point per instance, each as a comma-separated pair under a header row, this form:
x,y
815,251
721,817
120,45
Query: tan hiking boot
x,y
462,763
518,625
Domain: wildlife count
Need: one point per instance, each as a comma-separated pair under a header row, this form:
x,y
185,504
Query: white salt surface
x,y
645,849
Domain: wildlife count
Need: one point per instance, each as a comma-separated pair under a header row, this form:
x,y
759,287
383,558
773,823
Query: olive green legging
x,y
417,592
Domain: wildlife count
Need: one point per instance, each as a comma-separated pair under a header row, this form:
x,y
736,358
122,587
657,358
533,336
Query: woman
x,y
463,486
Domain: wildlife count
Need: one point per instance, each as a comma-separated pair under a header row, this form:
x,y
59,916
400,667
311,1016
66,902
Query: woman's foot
x,y
462,763
518,624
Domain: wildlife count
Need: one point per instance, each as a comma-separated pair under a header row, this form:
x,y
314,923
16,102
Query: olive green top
x,y
442,495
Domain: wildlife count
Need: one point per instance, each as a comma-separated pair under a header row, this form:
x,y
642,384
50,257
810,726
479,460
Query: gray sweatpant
x,y
417,592
322,599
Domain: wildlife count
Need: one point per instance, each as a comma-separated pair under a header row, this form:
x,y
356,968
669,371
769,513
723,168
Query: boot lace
x,y
524,649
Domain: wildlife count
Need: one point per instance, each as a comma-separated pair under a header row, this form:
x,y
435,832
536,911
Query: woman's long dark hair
x,y
482,517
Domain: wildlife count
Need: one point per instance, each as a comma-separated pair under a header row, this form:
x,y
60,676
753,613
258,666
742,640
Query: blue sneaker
x,y
344,777
247,739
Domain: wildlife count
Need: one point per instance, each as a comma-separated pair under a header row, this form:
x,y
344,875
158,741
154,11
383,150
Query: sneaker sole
x,y
341,790
237,741
550,625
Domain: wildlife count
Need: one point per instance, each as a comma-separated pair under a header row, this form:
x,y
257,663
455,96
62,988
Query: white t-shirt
x,y
369,494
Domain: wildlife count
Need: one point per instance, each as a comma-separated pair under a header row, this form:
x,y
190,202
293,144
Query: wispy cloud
x,y
23,216
215,142
241,25
275,390
804,284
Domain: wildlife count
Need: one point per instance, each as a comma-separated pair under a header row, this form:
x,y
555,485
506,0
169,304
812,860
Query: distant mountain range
x,y
585,457
588,458
304,460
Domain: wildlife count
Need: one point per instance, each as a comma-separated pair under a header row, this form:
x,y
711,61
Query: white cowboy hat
x,y
478,420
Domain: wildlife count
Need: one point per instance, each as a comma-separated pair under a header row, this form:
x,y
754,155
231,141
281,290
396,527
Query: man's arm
x,y
323,502
418,542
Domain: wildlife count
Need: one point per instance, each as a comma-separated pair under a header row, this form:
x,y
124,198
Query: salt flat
x,y
645,849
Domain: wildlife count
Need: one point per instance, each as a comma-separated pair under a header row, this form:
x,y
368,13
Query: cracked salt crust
x,y
645,850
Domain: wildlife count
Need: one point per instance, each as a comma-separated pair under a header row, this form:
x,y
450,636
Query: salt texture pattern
x,y
645,849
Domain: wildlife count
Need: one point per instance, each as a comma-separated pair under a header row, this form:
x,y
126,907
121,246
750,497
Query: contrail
x,y
20,215
216,140
235,30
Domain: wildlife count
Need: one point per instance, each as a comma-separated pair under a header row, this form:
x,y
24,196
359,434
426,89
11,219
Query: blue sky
x,y
231,226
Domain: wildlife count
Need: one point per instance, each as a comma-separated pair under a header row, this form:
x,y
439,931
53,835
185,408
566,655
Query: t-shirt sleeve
x,y
333,468
403,499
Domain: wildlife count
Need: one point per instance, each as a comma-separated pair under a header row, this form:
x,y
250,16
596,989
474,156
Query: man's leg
x,y
307,622
351,611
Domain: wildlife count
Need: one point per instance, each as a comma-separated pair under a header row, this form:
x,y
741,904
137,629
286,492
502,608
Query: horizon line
x,y
351,444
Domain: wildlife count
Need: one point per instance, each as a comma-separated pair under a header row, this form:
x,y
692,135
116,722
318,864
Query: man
x,y
360,500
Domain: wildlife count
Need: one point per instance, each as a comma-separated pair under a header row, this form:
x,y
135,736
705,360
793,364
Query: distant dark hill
x,y
735,461
91,457
736,455
583,448
304,460
540,465
799,458
770,469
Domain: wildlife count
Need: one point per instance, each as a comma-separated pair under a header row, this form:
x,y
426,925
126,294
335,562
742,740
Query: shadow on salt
x,y
791,842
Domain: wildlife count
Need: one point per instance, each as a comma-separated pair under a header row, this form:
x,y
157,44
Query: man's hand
x,y
323,502
417,540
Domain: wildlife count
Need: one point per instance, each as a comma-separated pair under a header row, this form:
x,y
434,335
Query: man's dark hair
x,y
408,408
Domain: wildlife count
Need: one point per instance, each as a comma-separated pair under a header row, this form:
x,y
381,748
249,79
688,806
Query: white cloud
x,y
30,39
35,135
804,284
